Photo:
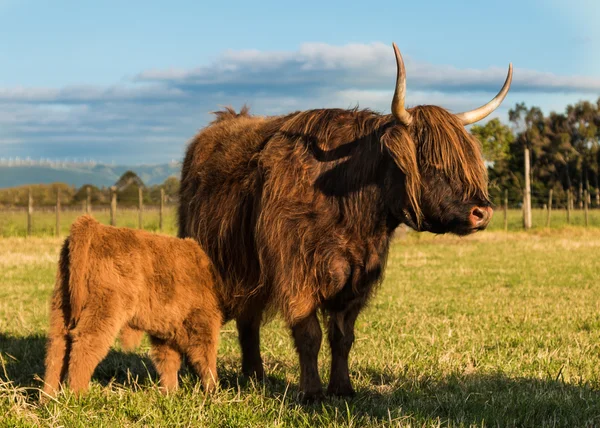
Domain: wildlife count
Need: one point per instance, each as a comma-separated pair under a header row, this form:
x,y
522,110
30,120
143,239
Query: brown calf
x,y
111,279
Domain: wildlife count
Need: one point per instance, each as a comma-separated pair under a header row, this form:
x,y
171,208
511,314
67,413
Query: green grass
x,y
14,223
495,329
558,219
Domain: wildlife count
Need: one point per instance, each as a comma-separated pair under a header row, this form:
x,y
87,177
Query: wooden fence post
x,y
585,206
57,228
569,205
88,200
162,207
506,210
549,208
29,213
527,192
113,206
140,208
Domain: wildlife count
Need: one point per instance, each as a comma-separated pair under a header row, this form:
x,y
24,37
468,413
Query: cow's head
x,y
446,180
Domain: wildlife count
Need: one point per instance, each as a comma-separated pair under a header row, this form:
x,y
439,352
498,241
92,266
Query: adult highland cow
x,y
297,212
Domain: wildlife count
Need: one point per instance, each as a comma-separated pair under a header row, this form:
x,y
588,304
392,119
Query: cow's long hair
x,y
293,208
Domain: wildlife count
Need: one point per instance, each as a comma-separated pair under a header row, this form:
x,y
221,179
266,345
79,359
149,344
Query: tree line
x,y
127,189
564,151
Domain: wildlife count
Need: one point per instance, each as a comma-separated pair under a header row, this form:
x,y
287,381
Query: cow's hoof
x,y
312,397
256,372
343,391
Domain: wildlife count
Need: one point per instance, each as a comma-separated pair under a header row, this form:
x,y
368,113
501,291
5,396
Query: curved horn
x,y
476,115
398,109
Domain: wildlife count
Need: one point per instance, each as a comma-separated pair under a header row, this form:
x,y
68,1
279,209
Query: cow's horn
x,y
398,109
476,115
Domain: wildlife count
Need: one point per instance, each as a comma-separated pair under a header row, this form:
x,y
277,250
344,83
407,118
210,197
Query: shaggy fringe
x,y
446,146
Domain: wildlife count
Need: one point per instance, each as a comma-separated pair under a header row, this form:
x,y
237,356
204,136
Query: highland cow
x,y
297,212
111,279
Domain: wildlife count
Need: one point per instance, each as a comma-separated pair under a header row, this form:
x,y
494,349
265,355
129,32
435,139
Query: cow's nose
x,y
480,217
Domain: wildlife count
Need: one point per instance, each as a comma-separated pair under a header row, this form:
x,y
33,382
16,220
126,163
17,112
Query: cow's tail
x,y
58,342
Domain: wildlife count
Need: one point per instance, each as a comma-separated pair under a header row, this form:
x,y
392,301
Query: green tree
x,y
495,138
171,186
496,141
127,189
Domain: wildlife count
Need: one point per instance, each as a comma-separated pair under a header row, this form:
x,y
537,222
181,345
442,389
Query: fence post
x,y
506,210
29,213
140,208
88,200
569,205
585,206
527,192
549,208
113,206
580,195
162,207
57,228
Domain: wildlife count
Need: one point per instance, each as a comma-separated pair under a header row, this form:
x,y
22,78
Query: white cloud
x,y
359,66
156,113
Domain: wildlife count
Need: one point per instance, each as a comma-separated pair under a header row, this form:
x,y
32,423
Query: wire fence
x,y
55,221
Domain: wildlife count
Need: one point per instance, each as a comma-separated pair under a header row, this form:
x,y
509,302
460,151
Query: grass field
x,y
495,329
14,223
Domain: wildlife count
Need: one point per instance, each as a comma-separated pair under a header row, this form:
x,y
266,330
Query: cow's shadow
x,y
22,364
462,399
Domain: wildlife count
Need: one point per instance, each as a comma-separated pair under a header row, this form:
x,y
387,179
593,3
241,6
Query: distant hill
x,y
79,174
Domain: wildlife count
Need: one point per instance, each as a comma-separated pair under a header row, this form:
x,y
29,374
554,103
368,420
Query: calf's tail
x,y
80,239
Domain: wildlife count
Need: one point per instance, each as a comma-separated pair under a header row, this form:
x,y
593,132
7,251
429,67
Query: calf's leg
x,y
57,352
203,341
91,340
167,361
130,338
307,338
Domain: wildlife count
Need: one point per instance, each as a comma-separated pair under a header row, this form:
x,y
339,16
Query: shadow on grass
x,y
23,364
460,399
463,399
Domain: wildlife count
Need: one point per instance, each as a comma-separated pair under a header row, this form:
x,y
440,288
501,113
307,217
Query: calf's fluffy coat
x,y
111,279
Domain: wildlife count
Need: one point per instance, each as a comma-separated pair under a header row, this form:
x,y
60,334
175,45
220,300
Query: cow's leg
x,y
307,338
341,337
248,325
167,361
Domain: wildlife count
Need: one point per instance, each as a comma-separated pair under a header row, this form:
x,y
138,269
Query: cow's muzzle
x,y
480,217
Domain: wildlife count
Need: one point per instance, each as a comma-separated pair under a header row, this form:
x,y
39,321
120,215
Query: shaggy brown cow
x,y
112,278
297,212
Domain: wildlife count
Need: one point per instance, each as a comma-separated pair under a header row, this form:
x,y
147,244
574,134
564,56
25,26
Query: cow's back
x,y
221,185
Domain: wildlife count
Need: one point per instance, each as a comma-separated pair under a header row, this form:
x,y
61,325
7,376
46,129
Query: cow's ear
x,y
403,151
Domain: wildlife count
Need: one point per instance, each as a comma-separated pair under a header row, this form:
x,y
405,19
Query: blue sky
x,y
132,81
